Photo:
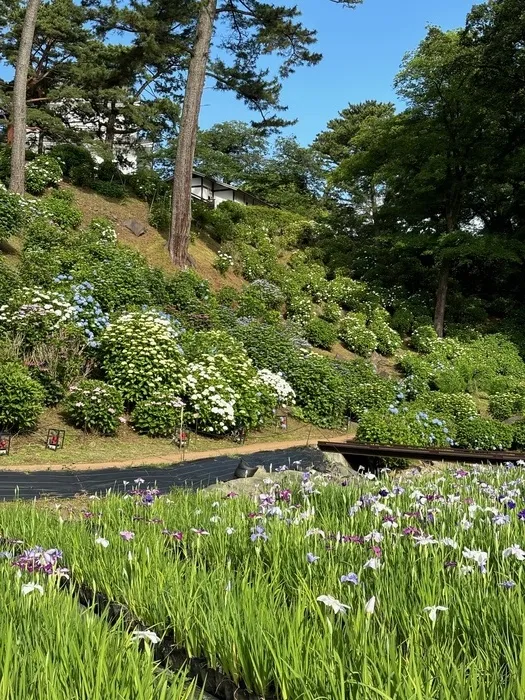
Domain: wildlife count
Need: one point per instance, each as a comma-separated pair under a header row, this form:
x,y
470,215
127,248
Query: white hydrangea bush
x,y
103,229
34,313
281,389
210,396
227,392
140,355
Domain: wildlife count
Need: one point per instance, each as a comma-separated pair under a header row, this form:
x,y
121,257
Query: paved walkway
x,y
194,473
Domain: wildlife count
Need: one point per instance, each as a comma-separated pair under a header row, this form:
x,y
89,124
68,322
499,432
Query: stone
x,y
338,465
136,227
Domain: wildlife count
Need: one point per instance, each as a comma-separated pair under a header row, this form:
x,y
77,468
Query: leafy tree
x,y
427,163
292,176
82,72
358,134
231,151
251,29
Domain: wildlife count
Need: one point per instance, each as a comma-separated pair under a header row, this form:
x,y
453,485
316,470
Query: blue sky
x,y
362,50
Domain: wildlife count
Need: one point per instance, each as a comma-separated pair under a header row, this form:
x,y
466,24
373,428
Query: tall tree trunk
x,y
110,128
441,298
179,238
19,106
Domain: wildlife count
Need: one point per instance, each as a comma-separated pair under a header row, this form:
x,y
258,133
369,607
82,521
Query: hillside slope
x,y
153,244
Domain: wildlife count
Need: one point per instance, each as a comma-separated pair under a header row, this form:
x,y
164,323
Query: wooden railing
x,y
445,454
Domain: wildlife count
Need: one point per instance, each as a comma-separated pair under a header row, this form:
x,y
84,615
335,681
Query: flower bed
x,y
51,648
316,589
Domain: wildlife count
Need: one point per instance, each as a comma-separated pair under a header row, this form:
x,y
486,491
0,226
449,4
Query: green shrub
x,y
227,296
42,172
108,171
457,407
45,235
83,175
320,333
424,339
9,282
402,320
319,390
506,404
363,389
102,230
449,381
66,195
356,336
21,398
223,262
378,428
484,434
347,293
120,276
225,390
57,362
331,312
146,184
268,346
271,295
519,435
35,315
140,355
388,340
11,213
187,291
160,215
111,190
403,426
71,156
5,163
61,212
158,416
95,406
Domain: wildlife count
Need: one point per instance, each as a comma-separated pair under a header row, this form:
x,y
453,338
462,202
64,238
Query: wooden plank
x,y
445,454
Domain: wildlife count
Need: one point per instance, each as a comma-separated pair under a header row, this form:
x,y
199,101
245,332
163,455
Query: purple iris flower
x,y
411,532
521,515
354,539
507,584
127,535
311,558
350,578
258,533
40,560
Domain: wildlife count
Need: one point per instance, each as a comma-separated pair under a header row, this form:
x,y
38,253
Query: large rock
x,y
136,227
337,465
253,485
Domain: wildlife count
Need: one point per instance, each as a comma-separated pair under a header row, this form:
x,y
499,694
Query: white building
x,y
214,192
125,146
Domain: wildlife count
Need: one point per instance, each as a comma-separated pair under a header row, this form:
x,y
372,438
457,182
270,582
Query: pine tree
x,y
18,152
252,29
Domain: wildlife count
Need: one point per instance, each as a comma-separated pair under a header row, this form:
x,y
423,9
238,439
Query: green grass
x,y
251,607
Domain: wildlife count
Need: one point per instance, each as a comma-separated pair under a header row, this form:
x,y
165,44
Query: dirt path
x,y
176,457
